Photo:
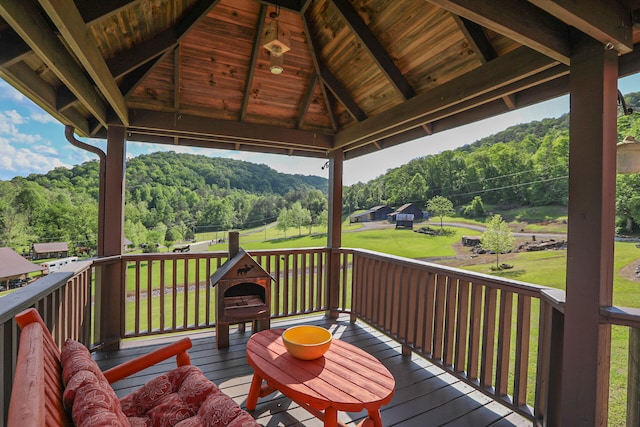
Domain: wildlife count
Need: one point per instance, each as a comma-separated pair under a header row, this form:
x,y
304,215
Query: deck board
x,y
425,394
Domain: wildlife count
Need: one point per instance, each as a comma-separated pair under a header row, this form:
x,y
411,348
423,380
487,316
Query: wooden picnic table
x,y
346,378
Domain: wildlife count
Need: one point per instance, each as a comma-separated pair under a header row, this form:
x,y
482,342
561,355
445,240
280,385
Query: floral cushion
x,y
87,392
183,397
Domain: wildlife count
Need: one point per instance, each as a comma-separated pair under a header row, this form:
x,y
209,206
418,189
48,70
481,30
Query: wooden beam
x,y
517,65
66,17
330,82
29,83
253,61
306,100
176,78
12,48
608,21
375,49
480,44
145,121
520,21
27,21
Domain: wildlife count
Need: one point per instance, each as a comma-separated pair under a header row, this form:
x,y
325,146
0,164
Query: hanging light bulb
x,y
276,60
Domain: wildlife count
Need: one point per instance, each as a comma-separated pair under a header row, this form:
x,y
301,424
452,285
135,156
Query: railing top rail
x,y
518,286
195,255
624,316
23,298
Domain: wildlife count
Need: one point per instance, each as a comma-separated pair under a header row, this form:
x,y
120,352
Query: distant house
x,y
14,267
49,250
376,213
407,208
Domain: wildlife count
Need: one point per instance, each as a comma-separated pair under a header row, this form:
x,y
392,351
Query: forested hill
x,y
189,171
168,196
526,164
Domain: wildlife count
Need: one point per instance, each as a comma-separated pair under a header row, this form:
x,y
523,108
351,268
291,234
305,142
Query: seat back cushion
x,y
184,397
87,392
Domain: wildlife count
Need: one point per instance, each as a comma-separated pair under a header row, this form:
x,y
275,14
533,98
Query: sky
x,y
32,141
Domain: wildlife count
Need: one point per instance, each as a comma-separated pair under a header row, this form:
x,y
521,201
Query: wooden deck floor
x,y
425,395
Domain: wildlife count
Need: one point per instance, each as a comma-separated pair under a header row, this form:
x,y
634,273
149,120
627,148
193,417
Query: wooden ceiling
x,y
361,75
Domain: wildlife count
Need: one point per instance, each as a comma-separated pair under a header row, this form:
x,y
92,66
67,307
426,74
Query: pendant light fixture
x,y
276,40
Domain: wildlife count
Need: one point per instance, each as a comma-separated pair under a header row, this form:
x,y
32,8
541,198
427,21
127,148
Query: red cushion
x,y
183,397
87,392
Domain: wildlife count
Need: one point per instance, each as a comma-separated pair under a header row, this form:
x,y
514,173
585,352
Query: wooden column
x,y
592,180
334,239
109,288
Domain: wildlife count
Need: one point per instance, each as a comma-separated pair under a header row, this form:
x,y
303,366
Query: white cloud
x,y
23,161
43,117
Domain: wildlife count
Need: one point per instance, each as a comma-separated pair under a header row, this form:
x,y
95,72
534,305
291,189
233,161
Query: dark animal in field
x,y
242,271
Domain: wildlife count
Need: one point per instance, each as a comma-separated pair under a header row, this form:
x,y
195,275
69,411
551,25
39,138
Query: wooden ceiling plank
x,y
188,125
502,71
608,21
12,48
176,78
93,11
66,17
253,61
41,93
377,51
35,31
133,79
520,21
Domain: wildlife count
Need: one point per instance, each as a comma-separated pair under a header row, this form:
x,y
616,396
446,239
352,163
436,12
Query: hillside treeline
x,y
168,197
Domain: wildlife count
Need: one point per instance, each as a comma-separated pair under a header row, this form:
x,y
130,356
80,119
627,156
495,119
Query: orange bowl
x,y
307,342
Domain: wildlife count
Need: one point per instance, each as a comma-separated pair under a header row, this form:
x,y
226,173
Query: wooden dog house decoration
x,y
243,293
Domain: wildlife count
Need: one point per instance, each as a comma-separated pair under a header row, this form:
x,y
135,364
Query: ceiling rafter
x,y
375,49
547,34
331,82
93,11
306,100
160,44
608,21
257,45
480,44
29,83
35,31
66,17
516,65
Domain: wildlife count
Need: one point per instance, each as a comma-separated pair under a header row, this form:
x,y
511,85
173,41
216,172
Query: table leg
x,y
254,392
330,417
373,420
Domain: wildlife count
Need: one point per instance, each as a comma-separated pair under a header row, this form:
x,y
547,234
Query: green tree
x,y
417,188
440,206
283,221
498,238
299,217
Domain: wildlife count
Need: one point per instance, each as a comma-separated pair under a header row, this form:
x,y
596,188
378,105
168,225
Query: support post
x,y
592,186
109,280
334,240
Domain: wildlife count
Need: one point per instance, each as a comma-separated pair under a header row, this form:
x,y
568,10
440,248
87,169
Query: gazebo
x,y
339,79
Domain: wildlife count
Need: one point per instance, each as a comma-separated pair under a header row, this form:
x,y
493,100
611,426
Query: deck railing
x,y
155,284
483,329
65,304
